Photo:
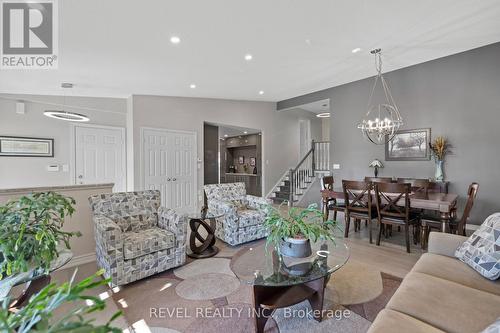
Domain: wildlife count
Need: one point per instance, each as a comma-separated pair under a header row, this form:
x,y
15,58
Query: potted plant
x,y
31,234
292,232
440,147
38,314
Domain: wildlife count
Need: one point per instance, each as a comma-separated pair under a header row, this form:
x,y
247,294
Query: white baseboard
x,y
81,259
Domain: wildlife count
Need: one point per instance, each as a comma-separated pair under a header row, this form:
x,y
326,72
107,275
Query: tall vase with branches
x,y
439,148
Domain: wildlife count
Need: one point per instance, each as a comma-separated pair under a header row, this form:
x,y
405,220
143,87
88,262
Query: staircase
x,y
295,182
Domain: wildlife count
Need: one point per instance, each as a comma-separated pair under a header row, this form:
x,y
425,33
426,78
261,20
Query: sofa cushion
x,y
249,217
390,321
136,244
446,305
482,250
454,270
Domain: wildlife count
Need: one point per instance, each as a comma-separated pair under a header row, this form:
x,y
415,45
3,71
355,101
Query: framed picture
x,y
26,147
252,161
241,159
409,145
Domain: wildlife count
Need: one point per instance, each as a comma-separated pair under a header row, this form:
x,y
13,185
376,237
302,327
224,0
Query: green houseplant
x,y
38,314
291,232
31,232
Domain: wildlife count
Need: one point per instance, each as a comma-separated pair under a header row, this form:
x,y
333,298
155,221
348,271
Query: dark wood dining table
x,y
442,203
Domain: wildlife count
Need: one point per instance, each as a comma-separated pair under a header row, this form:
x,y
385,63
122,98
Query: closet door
x,y
169,165
156,163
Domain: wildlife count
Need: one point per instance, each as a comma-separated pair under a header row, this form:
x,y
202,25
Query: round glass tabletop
x,y
263,266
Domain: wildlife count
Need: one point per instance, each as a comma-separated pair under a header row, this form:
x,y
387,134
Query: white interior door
x,y
169,159
100,156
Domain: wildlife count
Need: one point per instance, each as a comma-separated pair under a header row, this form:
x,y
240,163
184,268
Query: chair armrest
x,y
444,244
175,222
107,233
257,202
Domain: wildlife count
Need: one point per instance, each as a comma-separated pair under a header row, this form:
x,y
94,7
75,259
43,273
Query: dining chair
x,y
378,179
331,204
358,204
420,186
457,225
391,211
431,187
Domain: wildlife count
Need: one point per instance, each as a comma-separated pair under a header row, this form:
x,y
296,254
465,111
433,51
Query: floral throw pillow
x,y
482,250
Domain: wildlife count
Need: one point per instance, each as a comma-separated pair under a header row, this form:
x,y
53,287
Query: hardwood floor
x,y
390,257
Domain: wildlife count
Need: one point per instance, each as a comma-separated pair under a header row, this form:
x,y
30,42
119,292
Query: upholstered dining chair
x,y
393,208
457,225
358,205
332,203
242,216
135,237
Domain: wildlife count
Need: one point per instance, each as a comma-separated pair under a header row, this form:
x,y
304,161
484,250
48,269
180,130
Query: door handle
x,y
168,179
80,176
174,179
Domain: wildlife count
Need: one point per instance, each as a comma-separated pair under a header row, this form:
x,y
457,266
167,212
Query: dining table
x,y
443,204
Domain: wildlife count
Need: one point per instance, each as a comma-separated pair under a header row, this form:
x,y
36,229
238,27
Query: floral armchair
x,y
242,215
135,237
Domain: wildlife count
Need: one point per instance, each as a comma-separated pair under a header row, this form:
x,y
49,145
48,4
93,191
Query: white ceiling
x,y
117,48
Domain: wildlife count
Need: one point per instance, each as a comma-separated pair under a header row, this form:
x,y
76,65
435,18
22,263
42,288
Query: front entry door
x,y
100,156
169,165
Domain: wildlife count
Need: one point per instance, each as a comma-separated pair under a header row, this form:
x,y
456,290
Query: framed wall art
x,y
409,145
26,147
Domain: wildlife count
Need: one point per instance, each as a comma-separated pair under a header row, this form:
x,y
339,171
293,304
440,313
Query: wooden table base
x,y
267,299
207,248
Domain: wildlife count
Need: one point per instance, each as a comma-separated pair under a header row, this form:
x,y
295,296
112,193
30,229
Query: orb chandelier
x,y
382,120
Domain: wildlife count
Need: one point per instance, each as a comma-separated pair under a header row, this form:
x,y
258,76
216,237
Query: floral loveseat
x,y
135,237
243,216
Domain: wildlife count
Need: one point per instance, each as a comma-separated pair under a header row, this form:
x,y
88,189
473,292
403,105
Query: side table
x,y
206,247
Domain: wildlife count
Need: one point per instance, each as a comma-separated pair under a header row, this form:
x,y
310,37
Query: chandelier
x,y
382,120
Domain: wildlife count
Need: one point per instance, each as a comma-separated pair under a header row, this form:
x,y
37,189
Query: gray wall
x,y
456,96
280,130
18,172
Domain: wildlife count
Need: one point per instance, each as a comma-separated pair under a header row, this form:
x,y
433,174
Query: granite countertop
x,y
241,174
54,188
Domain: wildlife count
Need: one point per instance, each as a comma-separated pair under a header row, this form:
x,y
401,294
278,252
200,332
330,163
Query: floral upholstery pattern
x,y
240,223
135,237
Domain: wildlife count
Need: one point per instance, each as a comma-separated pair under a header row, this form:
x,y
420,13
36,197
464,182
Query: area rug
x,y
205,296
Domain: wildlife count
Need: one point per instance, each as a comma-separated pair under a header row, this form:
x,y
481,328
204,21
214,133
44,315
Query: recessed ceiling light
x,y
248,57
261,92
192,86
225,135
175,40
356,50
245,132
323,115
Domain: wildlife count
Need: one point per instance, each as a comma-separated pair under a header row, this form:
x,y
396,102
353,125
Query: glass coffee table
x,y
279,281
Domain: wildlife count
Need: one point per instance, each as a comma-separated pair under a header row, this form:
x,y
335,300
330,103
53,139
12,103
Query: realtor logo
x,y
29,34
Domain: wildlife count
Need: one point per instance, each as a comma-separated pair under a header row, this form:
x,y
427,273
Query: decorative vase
x,y
376,171
297,248
439,171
